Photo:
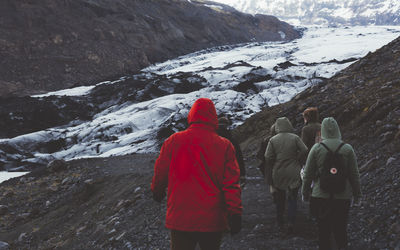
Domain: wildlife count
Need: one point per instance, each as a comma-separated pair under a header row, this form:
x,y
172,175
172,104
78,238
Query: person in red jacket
x,y
201,174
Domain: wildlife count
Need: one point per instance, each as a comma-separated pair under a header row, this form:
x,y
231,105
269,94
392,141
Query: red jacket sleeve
x,y
161,169
230,183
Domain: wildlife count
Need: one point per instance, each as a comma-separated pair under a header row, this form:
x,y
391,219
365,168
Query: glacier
x,y
241,79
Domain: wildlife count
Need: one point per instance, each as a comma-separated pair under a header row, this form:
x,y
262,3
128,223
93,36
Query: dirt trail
x,y
259,229
107,204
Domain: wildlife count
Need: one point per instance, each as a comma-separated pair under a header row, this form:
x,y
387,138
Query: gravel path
x,y
106,204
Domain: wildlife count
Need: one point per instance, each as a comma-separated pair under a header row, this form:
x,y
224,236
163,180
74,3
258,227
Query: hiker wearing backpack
x,y
332,165
283,157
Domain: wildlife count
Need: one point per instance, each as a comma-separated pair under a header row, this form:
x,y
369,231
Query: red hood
x,y
203,111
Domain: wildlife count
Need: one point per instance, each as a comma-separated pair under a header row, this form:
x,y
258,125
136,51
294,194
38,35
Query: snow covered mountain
x,y
136,113
331,12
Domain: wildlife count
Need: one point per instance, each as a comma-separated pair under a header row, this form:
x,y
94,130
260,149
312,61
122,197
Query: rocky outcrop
x,y
365,100
55,44
26,114
94,204
23,115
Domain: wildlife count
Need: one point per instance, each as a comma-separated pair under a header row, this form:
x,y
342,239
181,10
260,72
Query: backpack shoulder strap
x,y
340,146
323,144
326,147
337,150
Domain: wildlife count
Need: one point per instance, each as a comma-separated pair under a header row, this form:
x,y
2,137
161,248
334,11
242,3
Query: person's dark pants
x,y
280,202
313,210
181,240
332,217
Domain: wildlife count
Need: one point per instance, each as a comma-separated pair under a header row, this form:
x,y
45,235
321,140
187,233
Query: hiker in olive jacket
x,y
284,154
312,127
332,212
310,134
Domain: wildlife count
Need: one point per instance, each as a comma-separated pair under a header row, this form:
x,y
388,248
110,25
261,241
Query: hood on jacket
x,y
203,111
330,129
223,122
283,125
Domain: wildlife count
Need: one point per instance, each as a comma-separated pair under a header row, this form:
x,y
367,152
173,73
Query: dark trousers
x,y
181,240
280,202
332,216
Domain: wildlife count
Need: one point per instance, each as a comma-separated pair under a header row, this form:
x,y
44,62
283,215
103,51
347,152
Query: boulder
x,y
57,165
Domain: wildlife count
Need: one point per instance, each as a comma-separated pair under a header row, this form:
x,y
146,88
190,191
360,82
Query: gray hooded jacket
x,y
284,154
331,137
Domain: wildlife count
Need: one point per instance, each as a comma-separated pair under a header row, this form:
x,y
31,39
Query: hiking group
x,y
201,170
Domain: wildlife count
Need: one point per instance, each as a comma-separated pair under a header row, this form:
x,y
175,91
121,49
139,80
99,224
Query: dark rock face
x,y
365,100
57,165
23,115
56,44
19,115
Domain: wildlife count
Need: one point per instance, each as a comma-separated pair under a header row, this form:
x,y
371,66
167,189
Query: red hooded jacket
x,y
201,173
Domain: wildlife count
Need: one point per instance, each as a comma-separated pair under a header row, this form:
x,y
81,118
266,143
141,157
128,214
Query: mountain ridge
x,y
50,45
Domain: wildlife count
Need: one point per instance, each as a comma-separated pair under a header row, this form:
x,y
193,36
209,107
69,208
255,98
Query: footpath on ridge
x,y
259,229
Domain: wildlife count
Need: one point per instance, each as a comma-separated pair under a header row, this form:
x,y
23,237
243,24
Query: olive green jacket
x,y
284,154
308,133
331,137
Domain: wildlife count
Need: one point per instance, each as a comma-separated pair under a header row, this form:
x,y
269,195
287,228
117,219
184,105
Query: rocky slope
x,y
49,45
365,100
105,203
